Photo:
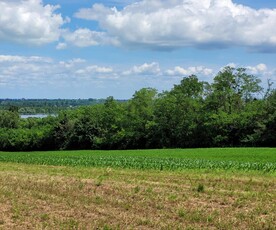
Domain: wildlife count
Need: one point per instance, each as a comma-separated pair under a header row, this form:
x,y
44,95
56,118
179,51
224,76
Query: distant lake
x,y
36,115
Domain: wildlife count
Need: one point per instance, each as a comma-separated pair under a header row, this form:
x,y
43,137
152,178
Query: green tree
x,y
268,136
232,88
9,119
87,132
232,109
111,124
179,114
138,123
63,130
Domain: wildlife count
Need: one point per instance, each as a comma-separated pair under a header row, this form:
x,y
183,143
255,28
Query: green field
x,y
260,159
145,189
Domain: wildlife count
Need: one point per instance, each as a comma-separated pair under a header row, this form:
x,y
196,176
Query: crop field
x,y
146,189
260,159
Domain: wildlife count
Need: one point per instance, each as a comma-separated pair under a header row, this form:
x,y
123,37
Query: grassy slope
x,y
59,197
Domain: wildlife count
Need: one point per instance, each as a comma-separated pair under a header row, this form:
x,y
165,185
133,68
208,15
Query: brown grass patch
x,y
43,197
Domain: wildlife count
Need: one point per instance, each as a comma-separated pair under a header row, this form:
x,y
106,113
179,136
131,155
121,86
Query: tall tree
x,y
232,88
138,122
111,123
179,114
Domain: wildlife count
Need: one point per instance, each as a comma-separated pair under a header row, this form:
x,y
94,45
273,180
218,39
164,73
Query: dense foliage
x,y
229,112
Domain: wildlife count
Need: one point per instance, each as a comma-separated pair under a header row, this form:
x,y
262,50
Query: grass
x,y
259,159
62,197
194,189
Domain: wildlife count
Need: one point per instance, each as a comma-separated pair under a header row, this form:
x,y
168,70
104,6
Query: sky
x,y
95,49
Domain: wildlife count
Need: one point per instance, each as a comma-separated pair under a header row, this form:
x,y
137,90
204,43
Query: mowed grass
x,y
140,189
64,197
259,159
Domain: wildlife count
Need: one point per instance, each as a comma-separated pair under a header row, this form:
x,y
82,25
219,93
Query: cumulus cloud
x,y
94,69
180,23
260,68
179,71
24,71
256,69
86,37
145,69
61,46
23,59
31,73
232,65
29,21
71,63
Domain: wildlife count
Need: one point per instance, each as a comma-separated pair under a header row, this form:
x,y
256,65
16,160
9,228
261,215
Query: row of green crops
x,y
236,159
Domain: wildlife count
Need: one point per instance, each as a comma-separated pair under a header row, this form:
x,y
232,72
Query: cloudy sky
x,y
95,49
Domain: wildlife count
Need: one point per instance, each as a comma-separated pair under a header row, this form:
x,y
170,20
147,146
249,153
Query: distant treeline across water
x,y
46,106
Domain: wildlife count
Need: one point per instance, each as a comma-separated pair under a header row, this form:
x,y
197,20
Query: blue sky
x,y
96,49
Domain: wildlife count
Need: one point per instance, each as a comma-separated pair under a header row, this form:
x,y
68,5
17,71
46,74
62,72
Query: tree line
x,y
232,111
46,106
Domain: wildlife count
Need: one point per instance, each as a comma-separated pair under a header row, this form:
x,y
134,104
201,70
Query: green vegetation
x,y
45,106
258,159
233,111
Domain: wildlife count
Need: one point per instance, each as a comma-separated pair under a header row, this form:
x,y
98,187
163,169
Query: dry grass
x,y
45,197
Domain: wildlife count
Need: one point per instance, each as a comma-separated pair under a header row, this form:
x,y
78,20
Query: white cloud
x,y
98,11
180,23
71,63
232,65
263,72
23,59
85,37
34,71
145,69
260,68
61,46
94,69
22,71
71,77
257,69
179,71
29,21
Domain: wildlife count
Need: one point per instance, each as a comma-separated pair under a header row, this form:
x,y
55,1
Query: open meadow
x,y
140,189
